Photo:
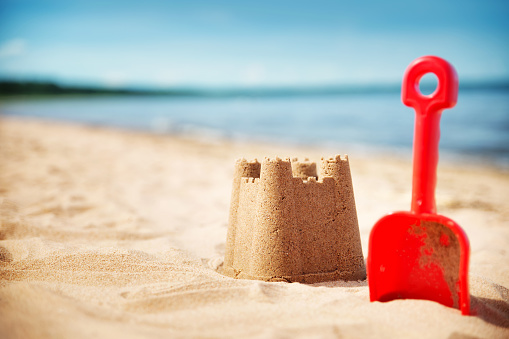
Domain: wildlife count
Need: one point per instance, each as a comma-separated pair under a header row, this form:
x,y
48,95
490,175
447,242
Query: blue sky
x,y
248,43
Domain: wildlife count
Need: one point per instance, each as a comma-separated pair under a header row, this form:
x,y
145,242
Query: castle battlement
x,y
248,180
287,223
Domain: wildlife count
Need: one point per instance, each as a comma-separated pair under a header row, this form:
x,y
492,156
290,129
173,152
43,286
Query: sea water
x,y
476,129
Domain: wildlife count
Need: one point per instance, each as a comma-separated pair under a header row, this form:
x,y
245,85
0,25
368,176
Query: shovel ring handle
x,y
446,93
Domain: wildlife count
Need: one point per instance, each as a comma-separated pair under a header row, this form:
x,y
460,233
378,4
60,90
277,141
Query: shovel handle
x,y
428,109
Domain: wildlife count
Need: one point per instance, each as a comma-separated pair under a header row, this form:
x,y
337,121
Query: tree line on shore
x,y
13,88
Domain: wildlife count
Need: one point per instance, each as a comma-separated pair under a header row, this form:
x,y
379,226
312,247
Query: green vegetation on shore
x,y
45,88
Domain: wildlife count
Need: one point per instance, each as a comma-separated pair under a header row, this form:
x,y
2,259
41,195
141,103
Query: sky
x,y
239,43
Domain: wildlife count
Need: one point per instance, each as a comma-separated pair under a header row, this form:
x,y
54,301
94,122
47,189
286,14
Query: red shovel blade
x,y
420,254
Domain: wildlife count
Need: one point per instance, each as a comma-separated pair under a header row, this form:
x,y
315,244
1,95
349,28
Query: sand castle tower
x,y
288,224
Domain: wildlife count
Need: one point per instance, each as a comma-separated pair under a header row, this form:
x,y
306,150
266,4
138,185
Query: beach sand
x,y
107,233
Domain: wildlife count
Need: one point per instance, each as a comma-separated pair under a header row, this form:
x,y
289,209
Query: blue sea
x,y
477,129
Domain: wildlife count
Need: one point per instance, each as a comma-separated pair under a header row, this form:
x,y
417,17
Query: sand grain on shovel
x,y
441,247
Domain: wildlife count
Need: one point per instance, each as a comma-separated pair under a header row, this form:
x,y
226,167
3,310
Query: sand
x,y
109,233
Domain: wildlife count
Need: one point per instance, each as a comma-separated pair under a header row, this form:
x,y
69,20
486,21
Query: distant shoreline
x,y
21,89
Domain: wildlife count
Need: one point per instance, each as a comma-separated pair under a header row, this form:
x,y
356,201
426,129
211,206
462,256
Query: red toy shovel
x,y
421,254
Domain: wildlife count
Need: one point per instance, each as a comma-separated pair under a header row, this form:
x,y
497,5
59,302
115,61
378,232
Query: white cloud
x,y
13,47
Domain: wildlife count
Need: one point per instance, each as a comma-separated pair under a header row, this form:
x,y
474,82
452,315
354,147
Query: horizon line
x,y
11,86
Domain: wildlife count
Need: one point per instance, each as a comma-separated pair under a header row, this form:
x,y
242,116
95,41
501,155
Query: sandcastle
x,y
288,224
